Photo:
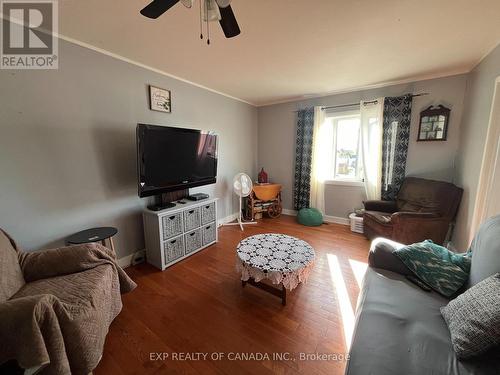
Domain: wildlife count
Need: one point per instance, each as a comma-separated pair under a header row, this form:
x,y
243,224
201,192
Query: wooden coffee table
x,y
284,260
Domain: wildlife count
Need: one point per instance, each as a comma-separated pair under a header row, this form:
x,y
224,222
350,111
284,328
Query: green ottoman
x,y
310,217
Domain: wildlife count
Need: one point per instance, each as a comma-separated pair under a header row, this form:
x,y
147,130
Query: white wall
x,y
477,106
435,160
68,153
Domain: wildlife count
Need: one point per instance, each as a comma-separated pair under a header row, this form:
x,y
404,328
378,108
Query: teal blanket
x,y
441,269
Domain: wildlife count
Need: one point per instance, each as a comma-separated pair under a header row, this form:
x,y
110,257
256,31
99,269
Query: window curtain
x,y
371,116
303,157
319,161
395,140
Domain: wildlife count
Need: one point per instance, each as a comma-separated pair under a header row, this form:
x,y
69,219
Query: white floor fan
x,y
242,187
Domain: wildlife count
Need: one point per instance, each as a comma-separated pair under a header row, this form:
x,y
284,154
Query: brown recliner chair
x,y
422,210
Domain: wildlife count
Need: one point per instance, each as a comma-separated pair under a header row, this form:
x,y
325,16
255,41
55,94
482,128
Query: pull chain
x,y
208,22
201,23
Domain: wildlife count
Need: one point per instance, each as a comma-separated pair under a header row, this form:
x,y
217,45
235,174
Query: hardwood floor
x,y
199,306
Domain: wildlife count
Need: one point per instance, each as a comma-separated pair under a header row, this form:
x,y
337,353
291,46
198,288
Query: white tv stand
x,y
178,232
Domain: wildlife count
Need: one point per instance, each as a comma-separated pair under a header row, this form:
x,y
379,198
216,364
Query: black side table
x,y
94,235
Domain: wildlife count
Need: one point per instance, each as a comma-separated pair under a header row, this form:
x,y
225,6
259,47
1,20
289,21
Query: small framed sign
x,y
433,124
159,99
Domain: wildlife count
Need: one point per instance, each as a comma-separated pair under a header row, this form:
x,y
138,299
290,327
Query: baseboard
x,y
228,219
326,218
126,261
336,220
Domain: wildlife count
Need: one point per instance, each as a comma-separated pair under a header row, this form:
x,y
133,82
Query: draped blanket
x,y
59,319
439,268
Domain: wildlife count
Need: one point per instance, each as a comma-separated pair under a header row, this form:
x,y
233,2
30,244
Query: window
x,y
346,164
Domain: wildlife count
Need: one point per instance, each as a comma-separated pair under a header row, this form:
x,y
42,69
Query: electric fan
x,y
242,186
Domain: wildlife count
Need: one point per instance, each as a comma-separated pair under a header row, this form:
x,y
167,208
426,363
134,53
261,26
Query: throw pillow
x,y
441,269
473,318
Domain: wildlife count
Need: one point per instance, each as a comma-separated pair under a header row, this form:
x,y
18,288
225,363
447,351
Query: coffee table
x,y
282,259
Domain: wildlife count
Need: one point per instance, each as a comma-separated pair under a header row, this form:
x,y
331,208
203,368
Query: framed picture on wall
x,y
433,124
159,99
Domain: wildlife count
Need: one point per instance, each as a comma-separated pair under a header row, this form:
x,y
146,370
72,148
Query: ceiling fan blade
x,y
157,7
228,22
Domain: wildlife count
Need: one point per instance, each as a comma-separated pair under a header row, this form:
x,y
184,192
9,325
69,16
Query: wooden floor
x,y
199,306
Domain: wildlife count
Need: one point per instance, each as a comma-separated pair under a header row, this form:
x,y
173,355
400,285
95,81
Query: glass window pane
x,y
346,161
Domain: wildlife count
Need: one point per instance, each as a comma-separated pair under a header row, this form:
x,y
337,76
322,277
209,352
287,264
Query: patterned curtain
x,y
395,139
303,156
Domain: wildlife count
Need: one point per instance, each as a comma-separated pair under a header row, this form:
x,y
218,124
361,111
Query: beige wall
x,y
68,153
276,138
477,106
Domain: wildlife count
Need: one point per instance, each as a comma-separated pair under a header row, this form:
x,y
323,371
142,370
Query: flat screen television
x,y
171,159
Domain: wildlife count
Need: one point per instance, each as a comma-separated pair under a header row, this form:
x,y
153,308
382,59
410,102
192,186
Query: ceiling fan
x,y
210,10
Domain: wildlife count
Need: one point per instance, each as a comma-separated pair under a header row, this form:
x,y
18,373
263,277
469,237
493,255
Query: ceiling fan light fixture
x,y
210,11
223,3
187,3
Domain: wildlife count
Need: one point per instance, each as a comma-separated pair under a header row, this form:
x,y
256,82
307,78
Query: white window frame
x,y
334,117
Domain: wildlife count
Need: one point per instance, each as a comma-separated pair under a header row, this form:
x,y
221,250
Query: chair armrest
x,y
62,261
381,256
383,206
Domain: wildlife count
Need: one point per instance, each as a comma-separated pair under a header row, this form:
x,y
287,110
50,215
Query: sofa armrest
x,y
62,261
381,256
382,206
24,322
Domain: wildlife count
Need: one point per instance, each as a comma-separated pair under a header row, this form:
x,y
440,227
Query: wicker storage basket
x,y
209,233
174,248
192,240
207,213
192,219
172,225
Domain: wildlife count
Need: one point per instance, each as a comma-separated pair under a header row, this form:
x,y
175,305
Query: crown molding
x,y
144,66
368,87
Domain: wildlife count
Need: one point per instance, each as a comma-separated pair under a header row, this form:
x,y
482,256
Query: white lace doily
x,y
277,257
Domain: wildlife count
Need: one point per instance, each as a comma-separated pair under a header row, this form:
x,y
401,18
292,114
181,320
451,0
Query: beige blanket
x,y
59,319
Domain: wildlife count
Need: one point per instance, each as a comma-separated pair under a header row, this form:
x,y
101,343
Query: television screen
x,y
171,158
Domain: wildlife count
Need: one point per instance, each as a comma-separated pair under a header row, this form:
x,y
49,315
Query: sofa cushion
x,y
11,276
399,330
485,250
438,267
474,318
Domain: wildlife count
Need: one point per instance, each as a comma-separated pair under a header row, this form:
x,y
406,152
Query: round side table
x,y
94,235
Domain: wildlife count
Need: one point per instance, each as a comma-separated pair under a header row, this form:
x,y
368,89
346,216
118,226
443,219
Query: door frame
x,y
490,163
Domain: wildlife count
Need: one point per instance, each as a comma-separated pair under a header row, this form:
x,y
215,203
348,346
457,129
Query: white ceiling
x,y
289,49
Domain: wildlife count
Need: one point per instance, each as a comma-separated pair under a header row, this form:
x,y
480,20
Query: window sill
x,y
345,183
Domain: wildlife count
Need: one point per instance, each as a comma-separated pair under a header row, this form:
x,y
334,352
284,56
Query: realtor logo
x,y
28,29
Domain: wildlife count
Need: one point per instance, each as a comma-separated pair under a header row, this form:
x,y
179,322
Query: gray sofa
x,y
399,328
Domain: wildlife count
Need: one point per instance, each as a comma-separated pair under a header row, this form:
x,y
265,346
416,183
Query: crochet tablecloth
x,y
277,257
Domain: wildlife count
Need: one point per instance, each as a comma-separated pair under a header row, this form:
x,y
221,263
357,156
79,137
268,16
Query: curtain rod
x,y
366,102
